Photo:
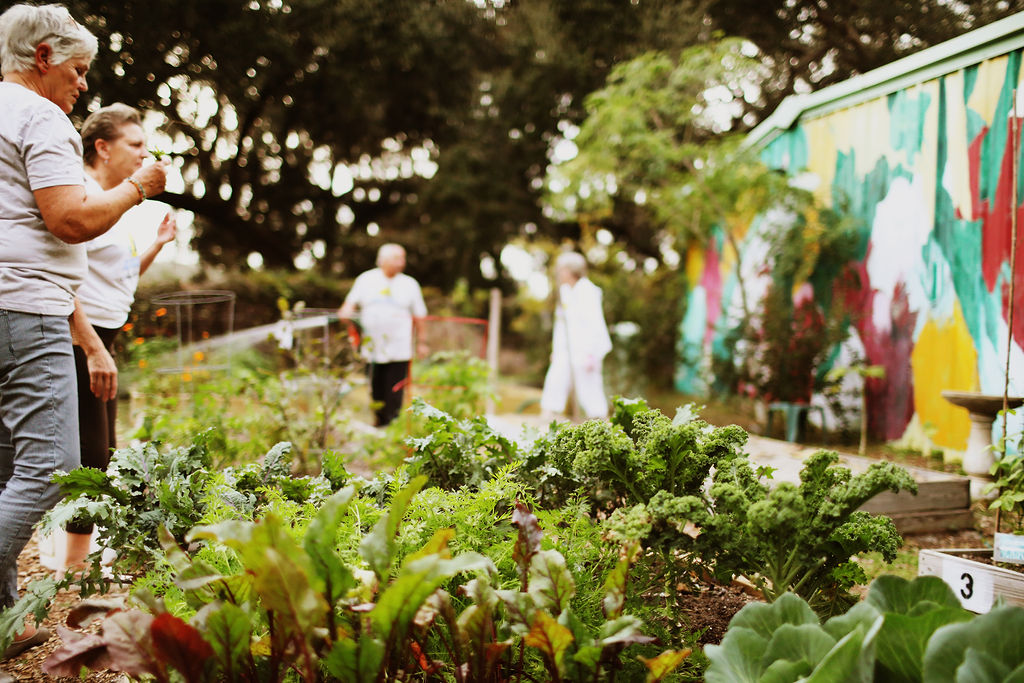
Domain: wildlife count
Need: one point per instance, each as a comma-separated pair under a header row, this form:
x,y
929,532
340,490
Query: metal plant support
x,y
191,308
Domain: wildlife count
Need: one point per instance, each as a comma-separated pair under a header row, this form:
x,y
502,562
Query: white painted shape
x,y
898,234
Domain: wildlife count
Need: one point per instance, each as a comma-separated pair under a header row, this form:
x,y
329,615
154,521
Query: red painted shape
x,y
995,232
711,281
890,399
996,237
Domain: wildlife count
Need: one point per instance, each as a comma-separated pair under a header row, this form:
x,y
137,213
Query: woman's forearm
x,y
73,216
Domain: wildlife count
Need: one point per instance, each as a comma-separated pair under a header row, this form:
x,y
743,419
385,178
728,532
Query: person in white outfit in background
x,y
579,343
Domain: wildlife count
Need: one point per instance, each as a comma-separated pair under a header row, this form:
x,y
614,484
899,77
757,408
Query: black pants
x,y
96,419
387,387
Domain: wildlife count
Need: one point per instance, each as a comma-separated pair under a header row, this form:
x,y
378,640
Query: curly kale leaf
x,y
781,515
625,411
626,525
834,493
864,532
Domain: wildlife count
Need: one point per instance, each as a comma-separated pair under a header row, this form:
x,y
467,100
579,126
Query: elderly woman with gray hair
x,y
579,343
45,217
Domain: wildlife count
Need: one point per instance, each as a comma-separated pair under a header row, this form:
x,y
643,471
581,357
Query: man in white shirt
x,y
389,305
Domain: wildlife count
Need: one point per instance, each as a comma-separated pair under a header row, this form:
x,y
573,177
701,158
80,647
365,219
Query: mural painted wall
x,y
927,170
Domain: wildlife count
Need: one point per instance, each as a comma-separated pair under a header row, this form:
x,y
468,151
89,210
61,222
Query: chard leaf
x,y
587,656
664,664
551,583
378,547
616,581
398,604
180,646
520,608
996,633
77,650
625,630
321,544
551,638
282,573
436,545
528,541
229,631
129,641
87,611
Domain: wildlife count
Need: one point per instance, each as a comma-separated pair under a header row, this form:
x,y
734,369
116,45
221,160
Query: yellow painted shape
x,y
862,129
822,134
944,358
988,87
694,266
871,136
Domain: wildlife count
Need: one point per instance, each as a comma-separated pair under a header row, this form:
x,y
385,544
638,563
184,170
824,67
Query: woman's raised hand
x,y
168,229
153,177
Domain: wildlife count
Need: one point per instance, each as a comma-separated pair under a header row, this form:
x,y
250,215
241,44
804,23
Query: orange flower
x,y
161,312
143,363
127,327
206,335
139,341
186,377
198,356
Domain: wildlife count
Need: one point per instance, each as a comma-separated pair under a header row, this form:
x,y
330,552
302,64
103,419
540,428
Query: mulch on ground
x,y
28,666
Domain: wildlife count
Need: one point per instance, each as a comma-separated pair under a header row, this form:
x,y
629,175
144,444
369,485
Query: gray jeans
x,y
38,429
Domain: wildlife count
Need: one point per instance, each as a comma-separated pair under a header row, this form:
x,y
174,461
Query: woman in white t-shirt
x,y
114,147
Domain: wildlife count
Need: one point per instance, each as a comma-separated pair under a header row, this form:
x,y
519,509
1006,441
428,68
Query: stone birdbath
x,y
983,410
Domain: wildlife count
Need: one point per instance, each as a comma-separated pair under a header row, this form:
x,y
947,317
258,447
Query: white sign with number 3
x,y
972,588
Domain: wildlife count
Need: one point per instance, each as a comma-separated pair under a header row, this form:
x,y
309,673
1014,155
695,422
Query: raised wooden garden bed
x,y
978,584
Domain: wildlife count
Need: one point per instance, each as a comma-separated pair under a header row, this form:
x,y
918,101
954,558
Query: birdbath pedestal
x,y
983,410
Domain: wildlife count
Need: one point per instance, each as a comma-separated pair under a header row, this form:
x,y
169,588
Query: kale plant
x,y
455,453
636,456
788,538
150,486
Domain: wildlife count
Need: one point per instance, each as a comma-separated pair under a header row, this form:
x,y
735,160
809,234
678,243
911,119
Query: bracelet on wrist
x,y
138,186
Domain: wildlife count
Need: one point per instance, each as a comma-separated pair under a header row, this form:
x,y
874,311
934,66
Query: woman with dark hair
x,y
45,216
114,147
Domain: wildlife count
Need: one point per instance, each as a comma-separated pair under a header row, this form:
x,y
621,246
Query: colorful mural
x,y
927,169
